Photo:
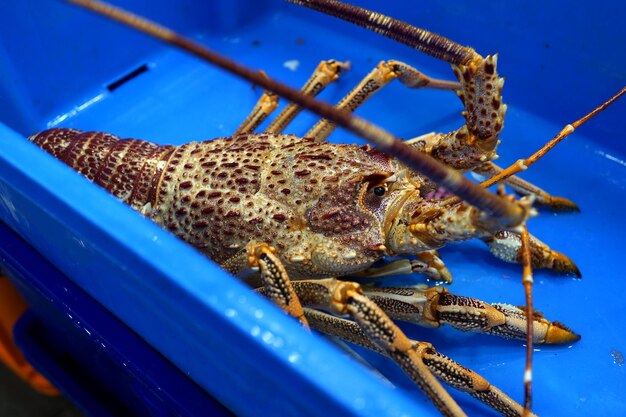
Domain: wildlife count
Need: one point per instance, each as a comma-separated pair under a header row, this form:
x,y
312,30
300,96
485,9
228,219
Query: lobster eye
x,y
379,190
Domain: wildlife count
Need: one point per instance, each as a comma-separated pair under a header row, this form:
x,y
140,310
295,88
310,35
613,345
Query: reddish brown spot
x,y
286,191
315,157
234,199
200,224
233,213
230,164
214,194
279,217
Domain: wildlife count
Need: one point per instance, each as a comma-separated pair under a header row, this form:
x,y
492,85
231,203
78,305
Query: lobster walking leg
x,y
276,282
428,263
326,73
262,109
342,297
384,73
447,370
436,306
507,245
524,187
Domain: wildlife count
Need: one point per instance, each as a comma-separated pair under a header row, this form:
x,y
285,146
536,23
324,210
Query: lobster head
x,y
370,211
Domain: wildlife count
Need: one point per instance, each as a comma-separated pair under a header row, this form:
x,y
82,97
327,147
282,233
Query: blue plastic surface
x,y
96,360
559,59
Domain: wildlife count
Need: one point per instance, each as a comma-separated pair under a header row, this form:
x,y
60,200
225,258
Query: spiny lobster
x,y
281,207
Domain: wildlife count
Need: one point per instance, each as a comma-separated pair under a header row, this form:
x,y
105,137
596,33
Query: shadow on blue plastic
x,y
233,343
96,360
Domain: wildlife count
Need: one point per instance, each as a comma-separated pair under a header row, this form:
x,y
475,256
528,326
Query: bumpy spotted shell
x,y
309,200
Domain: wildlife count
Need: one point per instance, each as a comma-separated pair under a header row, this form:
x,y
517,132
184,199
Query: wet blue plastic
x,y
101,364
560,60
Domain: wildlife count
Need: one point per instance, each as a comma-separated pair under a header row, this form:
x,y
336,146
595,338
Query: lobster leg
x,y
276,283
523,187
325,73
480,86
436,306
447,370
428,263
507,245
385,72
341,297
262,109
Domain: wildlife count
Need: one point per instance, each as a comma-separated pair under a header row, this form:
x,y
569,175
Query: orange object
x,y
12,306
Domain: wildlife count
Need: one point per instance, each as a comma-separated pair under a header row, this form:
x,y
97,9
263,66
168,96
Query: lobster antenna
x,y
420,39
507,214
527,281
523,164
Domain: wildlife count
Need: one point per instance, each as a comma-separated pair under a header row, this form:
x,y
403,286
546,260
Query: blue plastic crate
x,y
59,67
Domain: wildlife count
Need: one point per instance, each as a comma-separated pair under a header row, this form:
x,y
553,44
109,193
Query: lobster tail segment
x,y
54,141
83,151
127,168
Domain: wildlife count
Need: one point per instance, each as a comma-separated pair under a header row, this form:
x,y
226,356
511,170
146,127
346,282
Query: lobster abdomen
x,y
128,168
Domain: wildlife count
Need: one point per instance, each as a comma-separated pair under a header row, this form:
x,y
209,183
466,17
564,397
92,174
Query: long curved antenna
x,y
420,39
527,281
508,215
523,164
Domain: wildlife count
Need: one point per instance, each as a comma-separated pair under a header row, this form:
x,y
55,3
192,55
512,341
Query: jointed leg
x,y
346,298
428,263
380,76
507,245
325,73
525,188
263,108
436,306
444,368
276,283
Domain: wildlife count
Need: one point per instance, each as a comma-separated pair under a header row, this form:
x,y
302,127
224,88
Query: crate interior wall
x,y
59,67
